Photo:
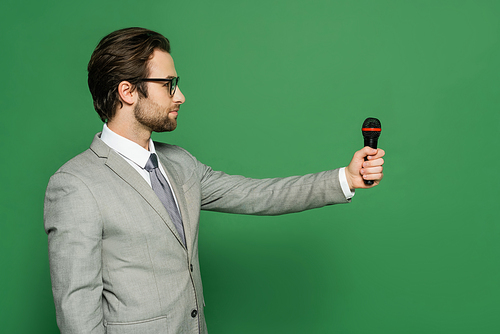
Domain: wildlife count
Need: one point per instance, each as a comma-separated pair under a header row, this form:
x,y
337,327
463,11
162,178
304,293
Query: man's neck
x,y
138,135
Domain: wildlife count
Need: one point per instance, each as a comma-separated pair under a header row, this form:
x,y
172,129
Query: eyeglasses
x,y
174,82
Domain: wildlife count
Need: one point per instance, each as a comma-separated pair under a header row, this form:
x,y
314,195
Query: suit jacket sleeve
x,y
74,229
237,194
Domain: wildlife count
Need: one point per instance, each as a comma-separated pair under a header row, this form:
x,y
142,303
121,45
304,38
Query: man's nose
x,y
178,96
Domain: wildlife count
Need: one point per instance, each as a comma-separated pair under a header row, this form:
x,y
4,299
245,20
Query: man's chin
x,y
167,128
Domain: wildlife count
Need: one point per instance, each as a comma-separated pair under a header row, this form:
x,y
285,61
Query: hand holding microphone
x,y
371,131
365,169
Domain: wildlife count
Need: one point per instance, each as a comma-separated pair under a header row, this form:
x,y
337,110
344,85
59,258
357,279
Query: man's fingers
x,y
373,163
372,170
377,176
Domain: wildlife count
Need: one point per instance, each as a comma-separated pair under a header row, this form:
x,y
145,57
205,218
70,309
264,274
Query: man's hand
x,y
360,170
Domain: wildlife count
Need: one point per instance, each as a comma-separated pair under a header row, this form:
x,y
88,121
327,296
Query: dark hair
x,y
122,55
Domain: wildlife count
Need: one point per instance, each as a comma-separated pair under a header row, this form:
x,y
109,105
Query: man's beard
x,y
151,115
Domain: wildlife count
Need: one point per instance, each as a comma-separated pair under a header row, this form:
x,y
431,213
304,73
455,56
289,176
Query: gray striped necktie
x,y
162,189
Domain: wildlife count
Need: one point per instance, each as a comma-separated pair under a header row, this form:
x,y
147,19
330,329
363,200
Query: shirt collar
x,y
127,148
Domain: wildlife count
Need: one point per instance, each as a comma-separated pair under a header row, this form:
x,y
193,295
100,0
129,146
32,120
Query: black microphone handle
x,y
372,142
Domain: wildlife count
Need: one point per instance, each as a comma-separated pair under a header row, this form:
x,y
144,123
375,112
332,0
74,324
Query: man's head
x,y
126,55
158,112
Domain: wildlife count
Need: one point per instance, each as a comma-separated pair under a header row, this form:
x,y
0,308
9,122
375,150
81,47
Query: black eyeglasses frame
x,y
174,82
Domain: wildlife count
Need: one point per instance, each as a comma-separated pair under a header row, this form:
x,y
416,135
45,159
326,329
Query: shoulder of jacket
x,y
80,164
173,152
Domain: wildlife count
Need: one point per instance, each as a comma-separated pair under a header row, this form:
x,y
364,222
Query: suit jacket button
x,y
191,267
194,313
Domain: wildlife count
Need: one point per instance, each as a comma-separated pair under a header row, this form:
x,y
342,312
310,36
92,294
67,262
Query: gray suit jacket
x,y
117,263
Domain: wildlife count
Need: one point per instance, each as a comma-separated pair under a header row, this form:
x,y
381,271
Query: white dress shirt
x,y
136,155
344,185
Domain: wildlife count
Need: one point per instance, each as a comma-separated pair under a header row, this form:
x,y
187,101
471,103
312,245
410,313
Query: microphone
x,y
371,131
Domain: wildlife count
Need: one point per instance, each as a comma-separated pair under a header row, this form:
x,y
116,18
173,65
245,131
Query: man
x,y
122,217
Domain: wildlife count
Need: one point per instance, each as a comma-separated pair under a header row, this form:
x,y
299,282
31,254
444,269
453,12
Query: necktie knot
x,y
152,163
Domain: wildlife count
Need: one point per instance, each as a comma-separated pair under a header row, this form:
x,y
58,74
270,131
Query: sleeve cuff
x,y
344,185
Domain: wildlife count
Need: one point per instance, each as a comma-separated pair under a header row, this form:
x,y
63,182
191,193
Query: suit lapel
x,y
128,174
176,185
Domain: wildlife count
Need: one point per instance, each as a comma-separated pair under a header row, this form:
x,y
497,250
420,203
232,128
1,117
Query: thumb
x,y
364,152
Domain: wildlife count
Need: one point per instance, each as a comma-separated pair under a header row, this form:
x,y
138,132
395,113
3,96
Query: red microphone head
x,y
371,128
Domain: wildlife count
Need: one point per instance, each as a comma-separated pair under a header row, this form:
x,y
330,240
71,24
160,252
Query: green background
x,y
279,88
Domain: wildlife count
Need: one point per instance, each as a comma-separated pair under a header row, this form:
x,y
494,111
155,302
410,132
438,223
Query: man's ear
x,y
128,93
